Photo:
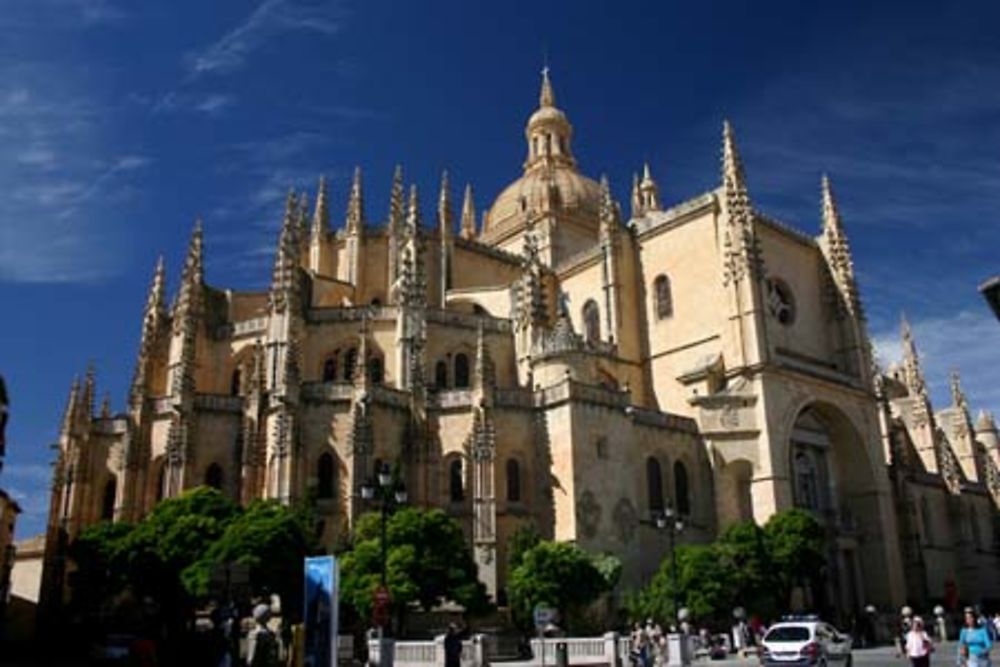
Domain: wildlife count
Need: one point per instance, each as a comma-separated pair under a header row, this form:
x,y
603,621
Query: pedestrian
x,y
262,644
453,647
974,642
918,645
637,645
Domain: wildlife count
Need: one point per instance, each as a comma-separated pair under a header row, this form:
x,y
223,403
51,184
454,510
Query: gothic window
x,y
441,375
780,301
925,520
213,476
654,485
513,481
806,482
456,486
235,382
663,299
591,322
108,502
682,489
461,371
350,361
375,370
602,448
325,476
330,369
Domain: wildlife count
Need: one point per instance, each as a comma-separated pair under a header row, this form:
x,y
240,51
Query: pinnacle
x,y
397,211
547,98
444,205
321,216
468,214
732,166
355,204
413,210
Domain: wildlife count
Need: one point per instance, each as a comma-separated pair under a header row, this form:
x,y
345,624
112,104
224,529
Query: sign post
x,y
322,595
543,616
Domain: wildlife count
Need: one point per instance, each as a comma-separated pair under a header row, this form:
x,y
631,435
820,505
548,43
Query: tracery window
x,y
461,371
441,375
663,300
780,301
513,481
806,482
654,485
682,489
591,321
325,476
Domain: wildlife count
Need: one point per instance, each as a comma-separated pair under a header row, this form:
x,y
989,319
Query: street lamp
x,y
667,520
389,496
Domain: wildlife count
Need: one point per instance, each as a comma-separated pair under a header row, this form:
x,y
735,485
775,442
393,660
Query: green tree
x,y
523,538
559,575
271,539
704,585
744,548
427,562
796,541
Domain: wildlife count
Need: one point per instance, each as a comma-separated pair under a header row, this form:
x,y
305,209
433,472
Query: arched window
x,y
461,371
456,486
441,375
108,502
350,361
662,299
375,370
235,383
513,481
780,301
654,485
681,489
925,519
330,369
213,476
591,322
806,482
324,476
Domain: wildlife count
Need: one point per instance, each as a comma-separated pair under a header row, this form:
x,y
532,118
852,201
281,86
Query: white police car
x,y
805,640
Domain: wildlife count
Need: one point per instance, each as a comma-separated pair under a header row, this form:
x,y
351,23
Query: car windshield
x,y
788,633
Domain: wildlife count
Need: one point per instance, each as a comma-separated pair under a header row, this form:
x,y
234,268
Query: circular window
x,y
780,301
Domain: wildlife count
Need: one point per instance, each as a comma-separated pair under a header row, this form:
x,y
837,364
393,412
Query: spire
x,y
155,312
355,205
984,422
285,260
649,191
608,211
837,249
446,222
302,219
468,214
546,98
637,208
397,203
413,213
913,375
958,399
72,404
321,216
89,390
192,277
106,406
743,255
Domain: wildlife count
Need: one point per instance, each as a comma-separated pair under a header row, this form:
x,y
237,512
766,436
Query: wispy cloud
x,y
270,19
965,341
204,103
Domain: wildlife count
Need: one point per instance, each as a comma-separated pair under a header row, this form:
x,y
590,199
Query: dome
x,y
540,189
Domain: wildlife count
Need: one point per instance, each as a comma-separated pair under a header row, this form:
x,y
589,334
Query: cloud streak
x,y
270,19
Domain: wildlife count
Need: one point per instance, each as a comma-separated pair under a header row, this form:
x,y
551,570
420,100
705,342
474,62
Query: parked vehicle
x,y
805,640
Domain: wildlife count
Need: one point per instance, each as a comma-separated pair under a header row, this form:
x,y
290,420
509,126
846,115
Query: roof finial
x,y
321,216
468,214
445,216
547,98
355,205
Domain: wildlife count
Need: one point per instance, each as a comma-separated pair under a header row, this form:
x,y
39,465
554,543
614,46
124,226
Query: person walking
x,y
262,644
918,644
974,642
453,647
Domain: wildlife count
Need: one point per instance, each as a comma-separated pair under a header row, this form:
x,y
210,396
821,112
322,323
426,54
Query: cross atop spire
x,y
546,98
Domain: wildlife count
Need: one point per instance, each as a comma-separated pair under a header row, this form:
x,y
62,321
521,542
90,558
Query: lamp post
x,y
667,520
389,496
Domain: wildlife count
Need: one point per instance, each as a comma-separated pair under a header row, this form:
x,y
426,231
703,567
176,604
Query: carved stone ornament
x,y
588,514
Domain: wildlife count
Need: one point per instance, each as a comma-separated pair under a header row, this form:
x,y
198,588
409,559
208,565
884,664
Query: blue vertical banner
x,y
320,617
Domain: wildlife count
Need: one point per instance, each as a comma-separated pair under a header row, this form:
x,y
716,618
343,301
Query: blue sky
x,y
122,121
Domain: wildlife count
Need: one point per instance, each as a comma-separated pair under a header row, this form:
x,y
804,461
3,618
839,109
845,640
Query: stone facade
x,y
557,364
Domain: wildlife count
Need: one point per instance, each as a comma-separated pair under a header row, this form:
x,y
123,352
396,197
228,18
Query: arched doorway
x,y
830,475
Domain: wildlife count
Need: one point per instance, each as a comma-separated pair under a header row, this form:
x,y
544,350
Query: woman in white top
x,y
918,644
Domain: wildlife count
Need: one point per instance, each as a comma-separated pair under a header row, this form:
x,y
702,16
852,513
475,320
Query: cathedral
x,y
558,363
